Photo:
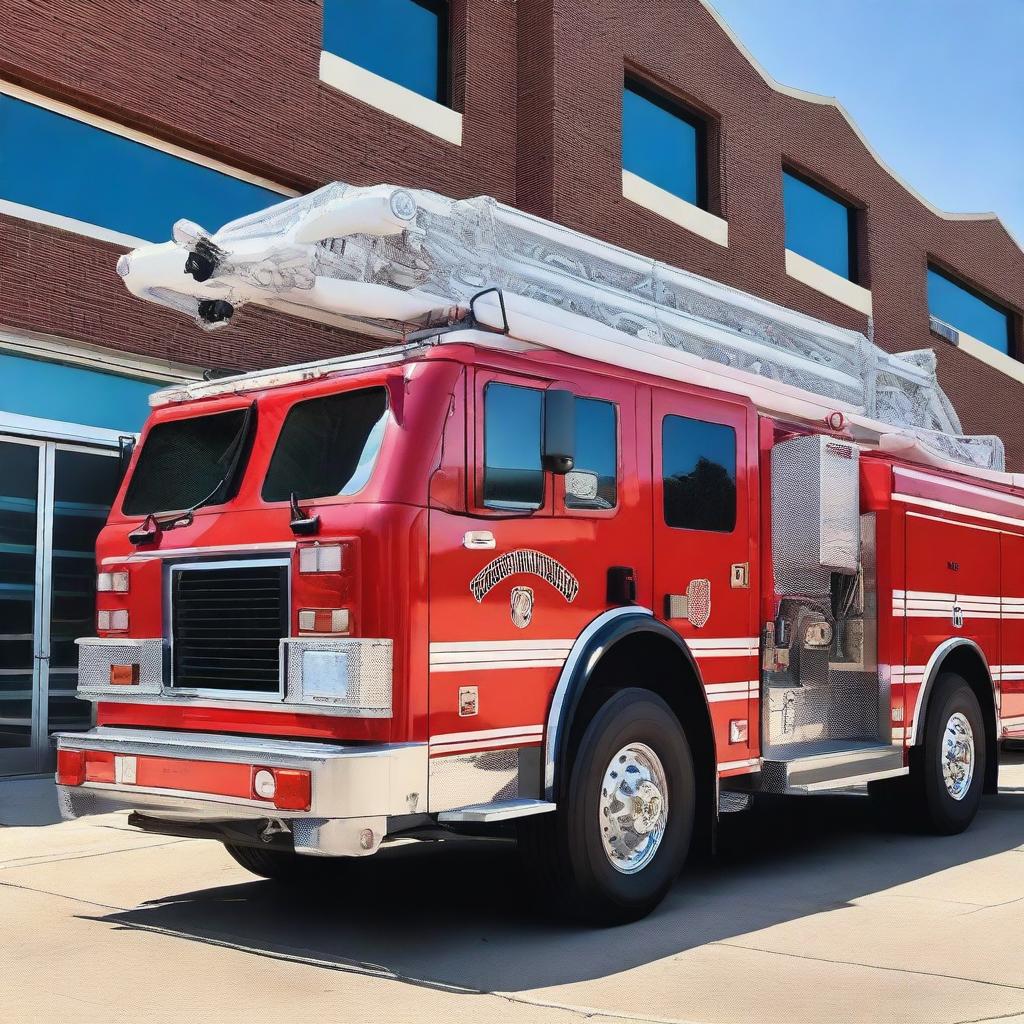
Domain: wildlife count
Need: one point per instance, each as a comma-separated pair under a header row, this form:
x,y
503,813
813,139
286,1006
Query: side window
x,y
513,475
698,466
592,483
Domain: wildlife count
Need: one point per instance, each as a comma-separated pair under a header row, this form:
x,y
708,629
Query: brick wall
x,y
539,83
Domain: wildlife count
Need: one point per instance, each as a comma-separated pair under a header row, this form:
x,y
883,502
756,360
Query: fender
x,y
931,673
596,640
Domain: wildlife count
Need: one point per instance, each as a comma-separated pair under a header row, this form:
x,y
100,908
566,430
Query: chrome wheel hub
x,y
633,808
958,756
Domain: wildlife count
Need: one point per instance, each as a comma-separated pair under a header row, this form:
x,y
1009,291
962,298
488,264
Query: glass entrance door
x,y
21,481
53,501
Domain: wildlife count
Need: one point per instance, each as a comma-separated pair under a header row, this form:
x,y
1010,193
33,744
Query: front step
x,y
817,771
500,810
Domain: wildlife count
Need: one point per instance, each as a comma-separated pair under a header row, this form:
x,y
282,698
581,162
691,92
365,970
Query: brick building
x,y
647,124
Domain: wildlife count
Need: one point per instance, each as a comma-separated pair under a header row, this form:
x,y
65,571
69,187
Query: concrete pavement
x,y
809,914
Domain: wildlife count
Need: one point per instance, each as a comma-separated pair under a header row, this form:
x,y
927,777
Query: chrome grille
x,y
227,622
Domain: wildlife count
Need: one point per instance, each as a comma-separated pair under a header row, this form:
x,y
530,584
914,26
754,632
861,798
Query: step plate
x,y
835,770
500,810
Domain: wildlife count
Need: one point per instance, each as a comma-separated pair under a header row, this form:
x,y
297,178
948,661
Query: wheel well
x,y
654,662
967,662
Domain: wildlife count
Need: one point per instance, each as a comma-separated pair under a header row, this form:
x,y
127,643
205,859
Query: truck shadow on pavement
x,y
463,916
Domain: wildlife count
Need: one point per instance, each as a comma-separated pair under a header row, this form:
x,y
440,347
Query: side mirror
x,y
125,448
559,453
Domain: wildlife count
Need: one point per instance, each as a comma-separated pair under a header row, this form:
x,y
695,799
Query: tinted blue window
x,y
513,475
698,466
661,145
596,451
968,312
401,40
817,226
61,165
51,391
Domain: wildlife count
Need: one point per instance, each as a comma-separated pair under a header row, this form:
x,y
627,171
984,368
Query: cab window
x,y
592,484
513,474
698,465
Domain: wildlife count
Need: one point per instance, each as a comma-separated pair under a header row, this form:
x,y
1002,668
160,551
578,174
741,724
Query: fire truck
x,y
584,549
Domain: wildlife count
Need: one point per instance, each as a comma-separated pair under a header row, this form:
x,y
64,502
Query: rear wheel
x,y
947,771
279,865
621,832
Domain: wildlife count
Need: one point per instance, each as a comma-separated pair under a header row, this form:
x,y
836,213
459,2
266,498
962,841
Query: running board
x,y
500,810
815,773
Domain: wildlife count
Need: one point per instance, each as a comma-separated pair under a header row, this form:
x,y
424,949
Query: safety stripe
x,y
945,506
514,736
732,691
723,647
491,655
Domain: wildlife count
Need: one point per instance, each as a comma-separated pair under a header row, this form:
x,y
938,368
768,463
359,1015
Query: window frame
x,y
661,475
633,82
1013,348
854,214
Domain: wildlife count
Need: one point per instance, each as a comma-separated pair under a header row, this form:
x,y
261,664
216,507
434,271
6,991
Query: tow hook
x,y
273,827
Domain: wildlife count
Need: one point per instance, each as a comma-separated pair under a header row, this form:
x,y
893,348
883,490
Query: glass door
x,y
54,500
21,525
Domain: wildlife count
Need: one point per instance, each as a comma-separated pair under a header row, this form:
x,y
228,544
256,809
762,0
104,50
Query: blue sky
x,y
937,86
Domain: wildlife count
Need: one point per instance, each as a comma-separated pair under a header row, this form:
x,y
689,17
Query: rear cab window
x,y
699,474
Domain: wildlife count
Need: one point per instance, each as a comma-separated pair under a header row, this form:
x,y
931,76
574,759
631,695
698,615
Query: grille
x,y
227,626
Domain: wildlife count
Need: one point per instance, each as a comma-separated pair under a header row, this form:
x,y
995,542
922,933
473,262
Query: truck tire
x,y
621,832
947,771
278,865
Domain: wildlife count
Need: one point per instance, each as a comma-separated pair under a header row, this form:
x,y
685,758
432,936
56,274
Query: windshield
x,y
328,446
185,462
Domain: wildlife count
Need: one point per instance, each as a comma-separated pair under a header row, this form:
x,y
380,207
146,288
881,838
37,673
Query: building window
x,y
819,227
513,474
54,163
596,452
963,308
663,143
698,467
404,41
53,391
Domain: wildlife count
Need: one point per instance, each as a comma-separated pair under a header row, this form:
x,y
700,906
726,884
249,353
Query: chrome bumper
x,y
354,789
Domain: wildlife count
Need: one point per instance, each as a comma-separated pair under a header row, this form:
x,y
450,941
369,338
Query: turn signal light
x,y
289,788
70,767
320,558
116,620
323,620
112,582
124,675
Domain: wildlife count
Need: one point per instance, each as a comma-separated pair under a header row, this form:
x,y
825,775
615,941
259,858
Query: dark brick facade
x,y
539,83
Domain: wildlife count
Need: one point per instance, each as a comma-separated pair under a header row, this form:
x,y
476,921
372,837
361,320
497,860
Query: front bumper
x,y
354,789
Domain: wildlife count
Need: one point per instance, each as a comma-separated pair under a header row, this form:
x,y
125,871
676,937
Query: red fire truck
x,y
544,577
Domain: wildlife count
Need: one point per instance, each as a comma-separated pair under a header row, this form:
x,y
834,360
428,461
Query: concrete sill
x,y
642,192
391,98
828,283
993,357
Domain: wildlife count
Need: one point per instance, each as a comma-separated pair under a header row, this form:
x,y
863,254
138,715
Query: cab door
x,y
705,564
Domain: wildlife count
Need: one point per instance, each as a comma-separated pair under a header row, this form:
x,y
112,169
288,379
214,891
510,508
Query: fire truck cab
x,y
475,583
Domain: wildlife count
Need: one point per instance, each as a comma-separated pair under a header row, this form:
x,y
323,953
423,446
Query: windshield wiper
x,y
152,526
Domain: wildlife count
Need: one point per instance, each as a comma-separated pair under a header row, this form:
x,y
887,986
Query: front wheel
x,y
621,832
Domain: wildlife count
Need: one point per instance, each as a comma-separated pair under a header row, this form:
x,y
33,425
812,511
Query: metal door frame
x,y
96,441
